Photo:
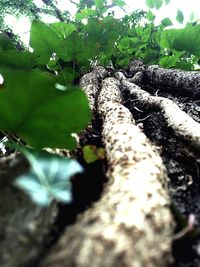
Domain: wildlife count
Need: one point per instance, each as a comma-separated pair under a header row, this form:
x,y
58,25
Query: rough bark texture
x,y
179,81
182,124
24,227
131,224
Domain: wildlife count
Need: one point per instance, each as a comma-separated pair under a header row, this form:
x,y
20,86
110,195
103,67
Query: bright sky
x,y
22,26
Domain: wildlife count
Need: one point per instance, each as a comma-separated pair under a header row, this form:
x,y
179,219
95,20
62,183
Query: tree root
x,y
180,81
182,124
131,225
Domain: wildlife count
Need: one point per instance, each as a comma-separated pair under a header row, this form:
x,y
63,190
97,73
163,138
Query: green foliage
x,y
48,178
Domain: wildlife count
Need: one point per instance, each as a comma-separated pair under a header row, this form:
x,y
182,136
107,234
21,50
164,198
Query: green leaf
x,y
188,39
192,16
41,115
91,153
120,3
44,40
68,75
158,4
166,22
151,56
99,4
48,178
5,42
150,3
150,16
167,38
63,29
179,16
167,2
154,3
169,61
17,59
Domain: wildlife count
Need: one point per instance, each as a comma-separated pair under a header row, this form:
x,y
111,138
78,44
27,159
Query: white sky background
x,y
22,25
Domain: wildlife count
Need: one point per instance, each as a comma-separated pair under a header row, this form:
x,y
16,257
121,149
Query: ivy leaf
x,y
41,115
44,40
179,16
48,178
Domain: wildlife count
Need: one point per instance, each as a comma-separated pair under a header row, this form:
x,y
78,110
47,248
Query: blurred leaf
x,y
44,40
150,16
48,178
169,61
33,109
99,4
166,22
188,39
150,3
18,59
154,3
5,42
167,38
63,29
158,4
179,16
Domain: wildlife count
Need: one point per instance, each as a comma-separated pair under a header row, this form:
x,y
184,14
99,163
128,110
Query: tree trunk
x,y
151,134
125,226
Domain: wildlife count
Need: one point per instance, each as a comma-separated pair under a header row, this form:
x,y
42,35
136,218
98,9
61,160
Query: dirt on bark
x,y
140,206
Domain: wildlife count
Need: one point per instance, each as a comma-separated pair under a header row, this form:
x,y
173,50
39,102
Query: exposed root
x,y
131,225
182,124
90,84
180,81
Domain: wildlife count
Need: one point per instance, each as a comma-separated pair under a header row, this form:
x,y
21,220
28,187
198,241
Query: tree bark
x,y
179,81
131,225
